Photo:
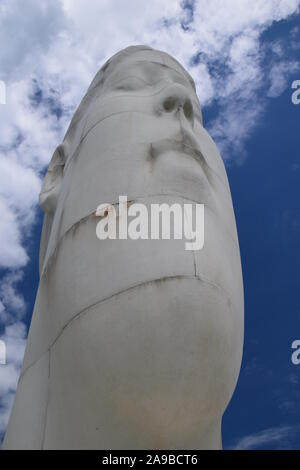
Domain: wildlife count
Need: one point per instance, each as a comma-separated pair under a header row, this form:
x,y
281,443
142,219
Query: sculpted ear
x,y
53,180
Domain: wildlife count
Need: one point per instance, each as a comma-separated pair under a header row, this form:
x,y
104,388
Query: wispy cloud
x,y
279,77
271,438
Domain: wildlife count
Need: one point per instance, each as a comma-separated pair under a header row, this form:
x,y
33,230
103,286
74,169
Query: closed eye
x,y
130,83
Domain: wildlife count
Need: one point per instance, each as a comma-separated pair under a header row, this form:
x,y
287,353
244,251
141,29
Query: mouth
x,y
187,144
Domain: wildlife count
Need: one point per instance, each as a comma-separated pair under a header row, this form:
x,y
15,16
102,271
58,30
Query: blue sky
x,y
265,191
244,56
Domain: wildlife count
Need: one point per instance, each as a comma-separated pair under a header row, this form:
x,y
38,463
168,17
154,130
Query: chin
x,y
155,366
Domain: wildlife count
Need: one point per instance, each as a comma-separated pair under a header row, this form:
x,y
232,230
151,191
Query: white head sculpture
x,y
133,343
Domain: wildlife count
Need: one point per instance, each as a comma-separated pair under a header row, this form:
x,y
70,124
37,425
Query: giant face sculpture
x,y
133,343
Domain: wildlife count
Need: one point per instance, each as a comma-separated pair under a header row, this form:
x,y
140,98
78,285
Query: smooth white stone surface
x,y
26,427
142,369
144,338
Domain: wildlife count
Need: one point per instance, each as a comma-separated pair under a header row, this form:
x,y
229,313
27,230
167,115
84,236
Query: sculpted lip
x,y
187,145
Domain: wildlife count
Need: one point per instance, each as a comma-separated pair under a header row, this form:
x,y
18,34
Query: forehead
x,y
149,65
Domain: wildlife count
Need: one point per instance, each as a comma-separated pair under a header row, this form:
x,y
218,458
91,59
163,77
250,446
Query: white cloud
x,y
15,341
279,77
27,31
236,134
12,311
13,305
12,253
54,47
6,404
276,437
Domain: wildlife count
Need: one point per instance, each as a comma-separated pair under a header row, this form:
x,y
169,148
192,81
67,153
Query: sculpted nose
x,y
175,99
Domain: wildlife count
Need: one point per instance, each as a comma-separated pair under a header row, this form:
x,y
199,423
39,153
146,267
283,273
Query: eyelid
x,y
131,77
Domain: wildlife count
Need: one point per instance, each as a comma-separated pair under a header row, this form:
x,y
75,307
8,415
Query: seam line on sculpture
x,y
85,132
84,135
73,124
207,176
124,95
76,152
108,298
47,400
91,214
